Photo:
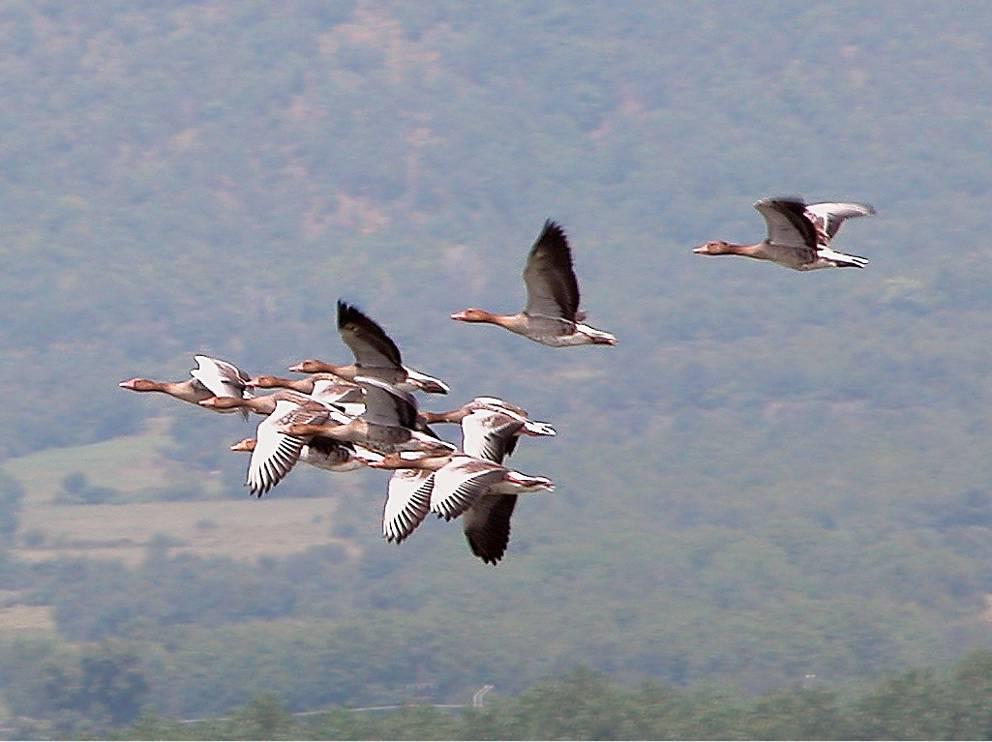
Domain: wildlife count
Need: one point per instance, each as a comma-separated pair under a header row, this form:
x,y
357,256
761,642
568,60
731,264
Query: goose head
x,y
714,247
264,382
473,315
140,385
246,444
309,366
223,403
527,483
431,459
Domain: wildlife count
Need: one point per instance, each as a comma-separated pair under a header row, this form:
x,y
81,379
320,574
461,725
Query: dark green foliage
x,y
77,690
77,490
585,705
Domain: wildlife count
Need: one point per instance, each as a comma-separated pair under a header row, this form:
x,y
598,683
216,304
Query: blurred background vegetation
x,y
773,475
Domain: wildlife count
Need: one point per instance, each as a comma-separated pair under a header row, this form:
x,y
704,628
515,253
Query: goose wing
x,y
829,215
408,500
221,378
367,340
337,392
276,453
788,225
552,289
490,435
487,526
460,483
495,403
387,405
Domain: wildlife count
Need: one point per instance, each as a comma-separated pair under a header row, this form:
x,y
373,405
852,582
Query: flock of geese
x,y
341,417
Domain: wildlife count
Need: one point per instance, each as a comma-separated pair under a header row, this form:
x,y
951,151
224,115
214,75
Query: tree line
x,y
916,704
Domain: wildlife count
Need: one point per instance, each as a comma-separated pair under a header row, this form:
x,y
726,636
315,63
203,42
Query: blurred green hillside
x,y
772,474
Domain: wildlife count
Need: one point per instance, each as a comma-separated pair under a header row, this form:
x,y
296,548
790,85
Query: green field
x,y
132,465
128,463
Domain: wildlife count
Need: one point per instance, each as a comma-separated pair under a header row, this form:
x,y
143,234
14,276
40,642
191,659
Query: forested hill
x,y
772,474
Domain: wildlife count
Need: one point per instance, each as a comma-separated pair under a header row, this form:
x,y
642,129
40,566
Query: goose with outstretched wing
x,y
389,423
212,377
551,315
793,240
376,355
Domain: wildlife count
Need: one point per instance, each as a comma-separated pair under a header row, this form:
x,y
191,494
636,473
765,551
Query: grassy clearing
x,y
42,473
241,529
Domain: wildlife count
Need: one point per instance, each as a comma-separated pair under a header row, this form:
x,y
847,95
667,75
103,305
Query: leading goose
x,y
794,240
212,377
376,355
551,316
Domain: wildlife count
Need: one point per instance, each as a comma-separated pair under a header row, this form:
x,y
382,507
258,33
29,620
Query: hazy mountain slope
x,y
771,474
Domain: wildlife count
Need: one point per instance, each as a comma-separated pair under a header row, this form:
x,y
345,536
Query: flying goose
x,y
323,387
274,453
263,405
487,426
551,316
794,239
460,479
387,425
304,386
490,430
212,377
322,453
376,355
492,434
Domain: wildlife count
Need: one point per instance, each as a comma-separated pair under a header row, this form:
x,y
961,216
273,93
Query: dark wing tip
x,y
487,552
789,202
552,233
348,313
490,542
354,322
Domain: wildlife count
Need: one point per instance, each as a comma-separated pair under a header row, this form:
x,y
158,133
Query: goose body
x,y
212,377
492,434
473,482
323,387
798,235
261,405
460,480
376,355
551,315
275,452
321,453
387,425
490,426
